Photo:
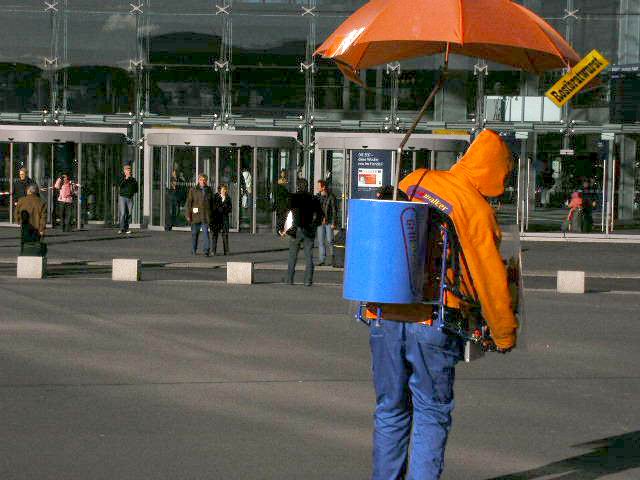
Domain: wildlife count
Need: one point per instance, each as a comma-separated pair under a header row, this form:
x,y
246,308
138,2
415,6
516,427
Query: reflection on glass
x,y
334,175
228,174
100,172
247,188
23,88
182,173
273,165
562,192
5,182
99,90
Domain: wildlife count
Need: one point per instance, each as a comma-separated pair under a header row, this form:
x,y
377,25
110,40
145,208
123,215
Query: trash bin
x,y
339,244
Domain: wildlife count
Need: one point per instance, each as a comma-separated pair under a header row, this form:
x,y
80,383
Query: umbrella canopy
x,y
502,31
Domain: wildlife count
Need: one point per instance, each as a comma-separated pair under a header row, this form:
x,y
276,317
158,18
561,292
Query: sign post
x,y
370,170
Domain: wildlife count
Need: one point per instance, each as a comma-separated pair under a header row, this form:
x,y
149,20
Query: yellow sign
x,y
575,80
450,132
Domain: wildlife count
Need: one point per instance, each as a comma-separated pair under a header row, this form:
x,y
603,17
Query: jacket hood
x,y
486,164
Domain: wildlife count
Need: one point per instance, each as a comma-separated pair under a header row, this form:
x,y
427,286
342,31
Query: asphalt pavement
x,y
182,376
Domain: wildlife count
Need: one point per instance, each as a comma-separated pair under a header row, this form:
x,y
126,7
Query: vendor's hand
x,y
488,345
503,350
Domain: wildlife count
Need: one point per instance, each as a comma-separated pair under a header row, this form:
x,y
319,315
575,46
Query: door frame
x,y
254,139
33,134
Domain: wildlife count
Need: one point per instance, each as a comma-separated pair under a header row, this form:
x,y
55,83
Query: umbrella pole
x,y
421,113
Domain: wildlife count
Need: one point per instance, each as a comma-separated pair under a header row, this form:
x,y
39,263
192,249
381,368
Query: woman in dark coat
x,y
221,211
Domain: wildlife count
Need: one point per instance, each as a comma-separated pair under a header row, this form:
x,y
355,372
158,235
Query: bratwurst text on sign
x,y
579,76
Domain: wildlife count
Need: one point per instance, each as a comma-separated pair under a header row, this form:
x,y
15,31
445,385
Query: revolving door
x,y
249,163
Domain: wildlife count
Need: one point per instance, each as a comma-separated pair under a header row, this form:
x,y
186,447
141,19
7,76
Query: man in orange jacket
x,y
414,362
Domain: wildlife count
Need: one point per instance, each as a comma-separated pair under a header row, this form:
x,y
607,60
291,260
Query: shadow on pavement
x,y
609,456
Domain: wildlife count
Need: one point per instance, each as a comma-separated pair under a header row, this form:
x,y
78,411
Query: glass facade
x,y
241,64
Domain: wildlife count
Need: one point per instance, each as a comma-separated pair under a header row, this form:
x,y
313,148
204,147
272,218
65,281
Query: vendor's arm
x,y
490,282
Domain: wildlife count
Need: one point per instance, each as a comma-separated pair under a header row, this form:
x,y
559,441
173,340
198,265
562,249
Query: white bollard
x,y
125,270
570,282
31,267
240,273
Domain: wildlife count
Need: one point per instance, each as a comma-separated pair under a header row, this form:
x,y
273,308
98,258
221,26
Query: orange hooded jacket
x,y
460,194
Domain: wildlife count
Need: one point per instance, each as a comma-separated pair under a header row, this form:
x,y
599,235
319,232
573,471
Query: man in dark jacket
x,y
128,188
222,207
199,213
329,206
31,214
307,215
21,185
281,200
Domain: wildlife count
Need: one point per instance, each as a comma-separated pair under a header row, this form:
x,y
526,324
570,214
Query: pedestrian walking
x,y
128,188
199,213
31,215
324,234
67,191
220,222
306,214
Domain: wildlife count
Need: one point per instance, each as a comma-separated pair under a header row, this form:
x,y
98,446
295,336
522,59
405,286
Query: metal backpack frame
x,y
466,322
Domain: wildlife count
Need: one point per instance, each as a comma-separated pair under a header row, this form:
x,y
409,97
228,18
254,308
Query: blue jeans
x,y
301,240
325,241
413,374
125,207
195,233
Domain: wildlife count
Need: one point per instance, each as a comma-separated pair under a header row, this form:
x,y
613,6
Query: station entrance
x,y
249,163
93,159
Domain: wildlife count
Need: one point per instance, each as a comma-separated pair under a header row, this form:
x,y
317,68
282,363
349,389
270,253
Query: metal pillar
x,y
137,139
223,65
80,180
12,184
392,121
56,61
480,70
570,16
308,67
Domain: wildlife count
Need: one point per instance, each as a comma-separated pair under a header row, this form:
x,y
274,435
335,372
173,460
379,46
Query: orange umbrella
x,y
502,31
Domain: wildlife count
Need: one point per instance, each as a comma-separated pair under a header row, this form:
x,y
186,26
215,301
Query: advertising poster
x,y
370,170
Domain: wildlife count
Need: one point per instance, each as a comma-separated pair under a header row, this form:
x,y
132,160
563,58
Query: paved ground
x,y
165,380
184,377
101,245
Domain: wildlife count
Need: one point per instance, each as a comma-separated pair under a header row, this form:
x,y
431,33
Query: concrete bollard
x,y
32,267
570,282
240,273
125,270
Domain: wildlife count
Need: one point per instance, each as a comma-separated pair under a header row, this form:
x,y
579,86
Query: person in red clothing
x,y
66,193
